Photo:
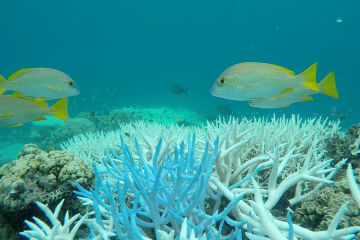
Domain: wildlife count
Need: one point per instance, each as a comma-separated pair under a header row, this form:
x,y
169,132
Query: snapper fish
x,y
301,94
16,110
251,80
44,83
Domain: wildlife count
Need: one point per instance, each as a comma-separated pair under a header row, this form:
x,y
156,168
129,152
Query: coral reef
x,y
39,176
341,146
233,180
163,115
61,231
317,211
50,133
162,195
286,155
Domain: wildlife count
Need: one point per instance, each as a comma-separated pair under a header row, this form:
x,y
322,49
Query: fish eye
x,y
221,81
71,83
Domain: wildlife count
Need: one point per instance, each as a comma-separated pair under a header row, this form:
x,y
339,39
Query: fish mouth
x,y
213,92
77,91
74,93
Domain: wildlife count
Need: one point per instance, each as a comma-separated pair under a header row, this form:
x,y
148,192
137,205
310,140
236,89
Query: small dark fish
x,y
223,109
177,89
341,114
211,118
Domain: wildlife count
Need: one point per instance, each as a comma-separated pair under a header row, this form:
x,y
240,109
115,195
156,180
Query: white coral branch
x,y
41,231
354,187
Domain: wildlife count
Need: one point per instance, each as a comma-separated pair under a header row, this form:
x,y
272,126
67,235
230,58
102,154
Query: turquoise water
x,y
130,52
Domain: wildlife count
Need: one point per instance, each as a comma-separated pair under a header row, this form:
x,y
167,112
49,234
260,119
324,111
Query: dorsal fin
x,y
288,71
19,73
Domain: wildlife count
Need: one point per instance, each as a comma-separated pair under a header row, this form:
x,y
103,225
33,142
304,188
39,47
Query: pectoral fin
x,y
286,90
306,99
39,119
250,86
15,125
5,115
256,99
51,87
283,106
17,95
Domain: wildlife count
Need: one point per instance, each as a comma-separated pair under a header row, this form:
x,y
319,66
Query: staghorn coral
x,y
40,176
61,231
262,160
162,195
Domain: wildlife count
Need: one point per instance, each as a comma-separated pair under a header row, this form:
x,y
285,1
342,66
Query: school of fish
x,y
23,94
28,91
266,85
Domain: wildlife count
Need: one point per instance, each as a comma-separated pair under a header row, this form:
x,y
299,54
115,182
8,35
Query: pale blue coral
x,y
162,194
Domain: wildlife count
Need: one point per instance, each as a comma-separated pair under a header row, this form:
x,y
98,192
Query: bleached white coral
x,y
354,187
58,231
279,154
244,143
355,148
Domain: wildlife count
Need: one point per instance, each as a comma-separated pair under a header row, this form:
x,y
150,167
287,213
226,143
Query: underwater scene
x,y
179,119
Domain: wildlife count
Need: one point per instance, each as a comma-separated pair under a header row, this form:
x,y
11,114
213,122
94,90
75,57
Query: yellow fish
x,y
44,83
251,80
301,94
16,110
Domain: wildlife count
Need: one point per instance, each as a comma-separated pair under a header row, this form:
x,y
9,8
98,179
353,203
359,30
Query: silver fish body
x,y
45,83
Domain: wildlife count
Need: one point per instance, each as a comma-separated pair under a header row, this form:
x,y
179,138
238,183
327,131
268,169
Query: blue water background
x,y
129,52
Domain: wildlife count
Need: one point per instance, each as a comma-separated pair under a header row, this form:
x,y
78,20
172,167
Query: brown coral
x,y
41,176
340,146
317,212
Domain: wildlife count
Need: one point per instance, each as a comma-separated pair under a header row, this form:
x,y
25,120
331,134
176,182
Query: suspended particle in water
x,y
339,20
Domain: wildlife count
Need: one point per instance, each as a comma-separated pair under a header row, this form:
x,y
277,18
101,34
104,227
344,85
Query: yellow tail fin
x,y
309,76
328,86
2,81
60,109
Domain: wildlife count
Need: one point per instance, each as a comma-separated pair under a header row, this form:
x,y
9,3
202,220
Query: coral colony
x,y
220,181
